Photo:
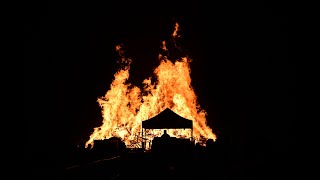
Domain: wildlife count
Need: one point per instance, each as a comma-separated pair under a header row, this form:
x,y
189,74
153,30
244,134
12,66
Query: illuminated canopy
x,y
167,119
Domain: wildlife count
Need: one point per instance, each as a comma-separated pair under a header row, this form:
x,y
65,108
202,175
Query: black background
x,y
240,70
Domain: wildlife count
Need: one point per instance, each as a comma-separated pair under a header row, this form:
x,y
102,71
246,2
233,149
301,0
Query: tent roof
x,y
167,119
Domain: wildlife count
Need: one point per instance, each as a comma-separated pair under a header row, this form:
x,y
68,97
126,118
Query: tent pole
x,y
142,139
191,133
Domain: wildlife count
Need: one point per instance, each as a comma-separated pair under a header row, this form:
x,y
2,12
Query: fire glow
x,y
125,106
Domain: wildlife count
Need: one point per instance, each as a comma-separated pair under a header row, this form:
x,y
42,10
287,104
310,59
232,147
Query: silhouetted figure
x,y
166,143
165,135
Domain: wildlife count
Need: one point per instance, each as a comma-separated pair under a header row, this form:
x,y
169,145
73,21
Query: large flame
x,y
125,106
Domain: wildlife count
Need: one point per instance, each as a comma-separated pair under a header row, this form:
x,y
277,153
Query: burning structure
x,y
125,107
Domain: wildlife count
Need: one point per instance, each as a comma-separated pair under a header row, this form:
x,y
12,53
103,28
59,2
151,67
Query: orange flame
x,y
175,32
124,106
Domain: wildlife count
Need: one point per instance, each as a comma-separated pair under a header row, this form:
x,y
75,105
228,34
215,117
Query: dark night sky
x,y
240,70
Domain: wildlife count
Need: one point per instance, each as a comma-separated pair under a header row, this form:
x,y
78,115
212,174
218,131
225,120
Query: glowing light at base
x,y
125,106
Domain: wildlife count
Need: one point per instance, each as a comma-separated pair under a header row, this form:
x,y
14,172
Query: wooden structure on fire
x,y
166,119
